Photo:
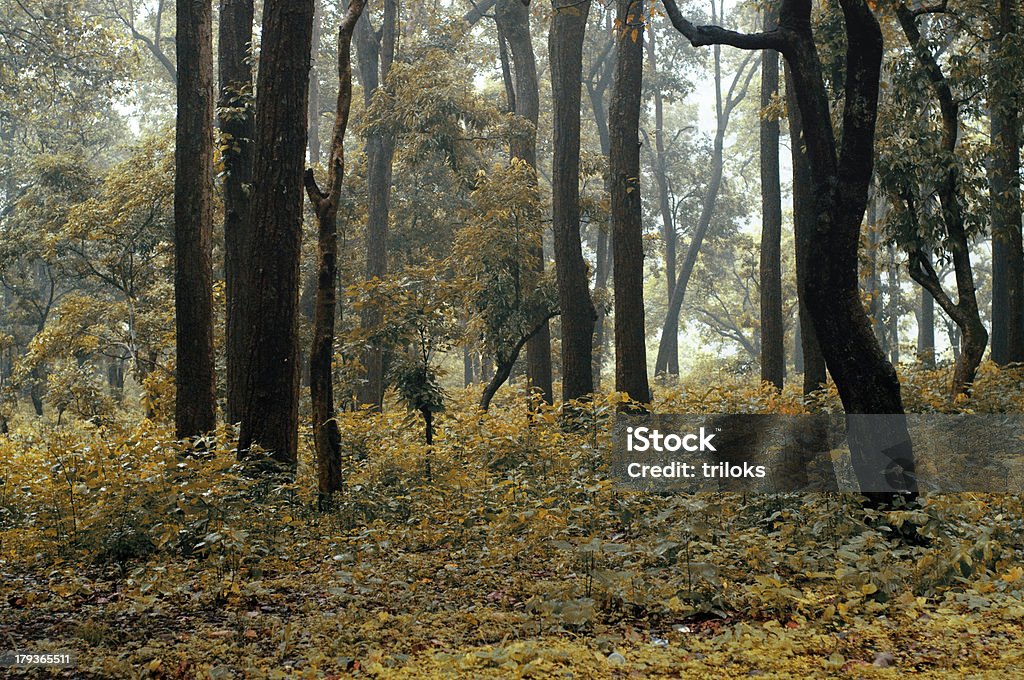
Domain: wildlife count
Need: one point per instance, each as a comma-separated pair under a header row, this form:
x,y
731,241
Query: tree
x,y
513,20
565,46
943,180
773,347
725,104
196,403
270,408
326,436
627,217
237,132
376,55
1004,186
866,381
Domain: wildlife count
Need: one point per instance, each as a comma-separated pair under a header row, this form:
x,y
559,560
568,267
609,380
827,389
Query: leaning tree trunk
x,y
1004,188
271,409
237,133
513,19
773,340
965,312
627,217
565,44
926,330
195,411
326,435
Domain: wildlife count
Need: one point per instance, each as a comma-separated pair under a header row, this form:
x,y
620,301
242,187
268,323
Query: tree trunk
x,y
894,308
926,330
812,360
237,127
326,435
724,108
376,54
568,26
270,413
627,217
965,311
773,332
1004,188
195,410
513,19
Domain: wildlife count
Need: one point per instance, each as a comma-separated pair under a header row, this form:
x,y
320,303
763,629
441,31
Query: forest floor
x,y
514,557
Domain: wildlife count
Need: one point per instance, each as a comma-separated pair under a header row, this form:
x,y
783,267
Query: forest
x,y
323,322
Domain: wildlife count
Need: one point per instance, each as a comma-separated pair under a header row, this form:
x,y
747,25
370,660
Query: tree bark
x,y
565,44
627,217
811,359
376,54
195,410
1004,188
773,341
513,20
237,127
964,312
326,436
270,413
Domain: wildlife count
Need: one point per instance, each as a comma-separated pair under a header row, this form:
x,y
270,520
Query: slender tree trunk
x,y
513,19
627,217
725,105
326,435
926,330
195,410
773,332
894,308
668,223
270,414
812,360
1004,188
568,26
237,127
376,54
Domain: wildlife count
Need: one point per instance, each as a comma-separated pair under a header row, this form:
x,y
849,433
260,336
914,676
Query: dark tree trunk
x,y
627,218
812,361
513,19
376,54
504,365
964,312
237,127
326,435
270,414
867,383
568,26
1004,188
195,410
773,340
926,330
